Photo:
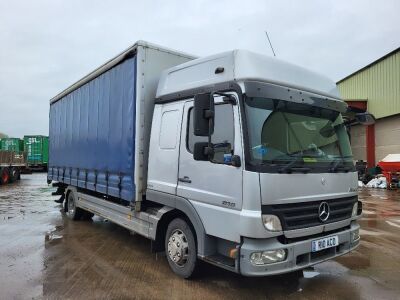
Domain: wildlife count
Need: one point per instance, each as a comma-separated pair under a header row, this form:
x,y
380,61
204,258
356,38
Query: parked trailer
x,y
11,164
12,144
197,155
37,149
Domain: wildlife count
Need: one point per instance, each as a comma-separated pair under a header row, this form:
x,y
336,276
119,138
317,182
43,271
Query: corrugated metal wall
x,y
379,84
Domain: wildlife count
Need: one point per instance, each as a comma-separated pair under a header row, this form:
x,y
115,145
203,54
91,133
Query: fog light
x,y
355,235
267,257
355,209
272,223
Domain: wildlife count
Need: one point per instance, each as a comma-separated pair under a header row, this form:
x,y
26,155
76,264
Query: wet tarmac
x,y
45,255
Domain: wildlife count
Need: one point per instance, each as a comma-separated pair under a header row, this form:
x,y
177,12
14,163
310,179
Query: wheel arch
x,y
184,209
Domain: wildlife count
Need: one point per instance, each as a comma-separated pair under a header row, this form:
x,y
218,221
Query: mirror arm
x,y
209,114
227,97
208,151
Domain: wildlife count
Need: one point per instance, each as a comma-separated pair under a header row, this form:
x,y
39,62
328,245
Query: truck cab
x,y
254,152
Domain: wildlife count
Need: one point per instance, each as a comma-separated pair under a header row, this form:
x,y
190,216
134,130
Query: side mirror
x,y
202,151
365,118
236,161
203,116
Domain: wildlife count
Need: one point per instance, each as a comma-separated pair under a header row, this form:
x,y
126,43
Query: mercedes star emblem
x,y
323,211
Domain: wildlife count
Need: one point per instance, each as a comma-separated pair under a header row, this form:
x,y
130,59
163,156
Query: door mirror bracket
x,y
203,117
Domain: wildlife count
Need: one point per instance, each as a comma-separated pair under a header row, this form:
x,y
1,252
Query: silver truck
x,y
237,159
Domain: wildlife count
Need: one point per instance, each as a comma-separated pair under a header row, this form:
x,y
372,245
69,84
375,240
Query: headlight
x,y
272,223
355,209
267,257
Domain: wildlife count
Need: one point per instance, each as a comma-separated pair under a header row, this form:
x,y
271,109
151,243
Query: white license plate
x,y
324,243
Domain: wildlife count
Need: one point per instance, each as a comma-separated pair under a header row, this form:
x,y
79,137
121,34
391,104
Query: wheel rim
x,y
178,248
71,206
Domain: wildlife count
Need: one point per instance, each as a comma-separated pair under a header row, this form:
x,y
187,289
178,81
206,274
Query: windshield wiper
x,y
336,167
292,168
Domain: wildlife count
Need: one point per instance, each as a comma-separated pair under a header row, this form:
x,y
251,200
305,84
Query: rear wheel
x,y
73,212
4,175
180,247
87,215
14,174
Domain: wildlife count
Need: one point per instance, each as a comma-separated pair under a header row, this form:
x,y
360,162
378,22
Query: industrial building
x,y
376,88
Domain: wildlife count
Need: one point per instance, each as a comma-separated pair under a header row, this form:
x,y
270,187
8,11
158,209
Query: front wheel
x,y
180,247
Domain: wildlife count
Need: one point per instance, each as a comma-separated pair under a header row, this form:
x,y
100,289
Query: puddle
x,y
310,274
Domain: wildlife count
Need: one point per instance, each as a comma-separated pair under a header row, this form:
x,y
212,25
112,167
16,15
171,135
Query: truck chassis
x,y
11,165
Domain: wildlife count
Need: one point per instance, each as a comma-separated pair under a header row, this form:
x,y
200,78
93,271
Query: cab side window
x,y
223,136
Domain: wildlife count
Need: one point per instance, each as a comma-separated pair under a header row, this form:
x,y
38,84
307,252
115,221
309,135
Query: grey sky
x,y
46,45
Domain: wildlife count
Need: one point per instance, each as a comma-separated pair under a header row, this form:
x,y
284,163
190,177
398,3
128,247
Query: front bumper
x,y
299,255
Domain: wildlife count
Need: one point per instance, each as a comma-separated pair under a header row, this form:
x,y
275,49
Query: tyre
x,y
73,212
87,215
4,175
180,248
14,174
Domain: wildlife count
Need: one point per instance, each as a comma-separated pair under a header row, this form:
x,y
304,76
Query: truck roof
x,y
242,65
127,53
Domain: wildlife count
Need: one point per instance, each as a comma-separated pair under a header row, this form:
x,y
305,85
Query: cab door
x,y
213,187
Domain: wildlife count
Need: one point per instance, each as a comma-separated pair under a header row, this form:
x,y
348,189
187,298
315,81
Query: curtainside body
x,y
100,126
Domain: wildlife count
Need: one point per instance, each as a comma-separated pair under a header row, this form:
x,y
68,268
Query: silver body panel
x,y
143,223
222,202
242,65
290,188
296,250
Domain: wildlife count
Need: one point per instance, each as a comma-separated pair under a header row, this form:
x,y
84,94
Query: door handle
x,y
185,179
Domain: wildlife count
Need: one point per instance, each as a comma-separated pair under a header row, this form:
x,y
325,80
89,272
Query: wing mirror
x,y
202,151
365,118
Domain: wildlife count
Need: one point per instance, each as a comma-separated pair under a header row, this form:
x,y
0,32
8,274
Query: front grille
x,y
305,214
284,240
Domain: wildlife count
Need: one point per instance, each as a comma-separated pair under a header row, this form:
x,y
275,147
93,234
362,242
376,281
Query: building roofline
x,y
370,65
356,100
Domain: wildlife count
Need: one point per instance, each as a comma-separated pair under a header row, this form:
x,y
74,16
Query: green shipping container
x,y
37,148
12,144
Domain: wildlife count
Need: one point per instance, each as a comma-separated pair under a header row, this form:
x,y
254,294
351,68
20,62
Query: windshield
x,y
291,135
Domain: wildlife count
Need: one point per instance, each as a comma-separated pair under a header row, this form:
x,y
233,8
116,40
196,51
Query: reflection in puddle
x,y
50,236
310,274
